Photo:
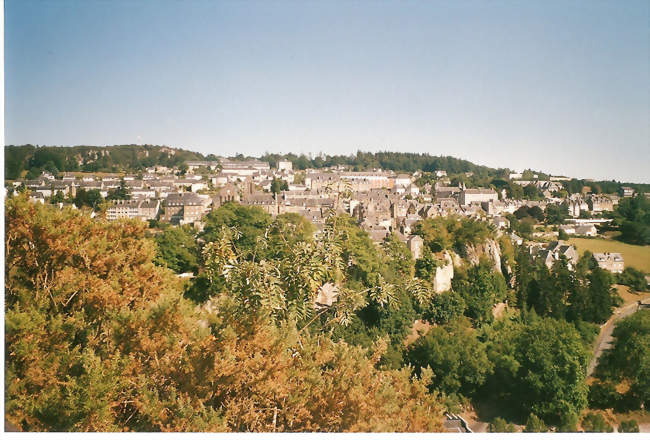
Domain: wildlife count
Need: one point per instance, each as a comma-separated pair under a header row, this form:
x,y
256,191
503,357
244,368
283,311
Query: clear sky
x,y
559,86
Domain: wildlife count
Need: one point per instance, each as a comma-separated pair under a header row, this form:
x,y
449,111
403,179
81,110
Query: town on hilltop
x,y
382,201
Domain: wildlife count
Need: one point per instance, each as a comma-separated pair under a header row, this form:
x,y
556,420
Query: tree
x,y
531,192
629,359
91,198
481,288
445,308
455,355
633,215
500,425
633,278
98,338
177,249
628,426
556,214
120,193
278,185
595,422
251,223
535,424
57,198
540,367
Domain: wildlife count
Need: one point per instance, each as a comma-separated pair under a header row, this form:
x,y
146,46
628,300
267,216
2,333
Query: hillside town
x,y
383,202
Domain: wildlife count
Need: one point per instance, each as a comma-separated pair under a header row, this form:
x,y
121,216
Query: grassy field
x,y
634,256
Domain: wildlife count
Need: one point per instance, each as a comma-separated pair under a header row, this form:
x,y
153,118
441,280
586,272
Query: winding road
x,y
605,337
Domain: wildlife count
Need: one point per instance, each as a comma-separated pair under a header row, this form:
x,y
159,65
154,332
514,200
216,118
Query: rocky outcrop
x,y
490,249
444,274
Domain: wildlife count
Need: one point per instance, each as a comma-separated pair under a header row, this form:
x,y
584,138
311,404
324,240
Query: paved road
x,y
605,337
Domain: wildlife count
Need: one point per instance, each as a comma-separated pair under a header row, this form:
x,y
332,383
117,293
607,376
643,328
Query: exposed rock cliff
x,y
444,274
489,248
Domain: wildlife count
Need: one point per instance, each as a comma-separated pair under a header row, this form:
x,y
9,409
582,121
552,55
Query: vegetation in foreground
x,y
101,334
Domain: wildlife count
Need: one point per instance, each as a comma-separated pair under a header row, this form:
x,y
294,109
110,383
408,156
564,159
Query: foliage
x,y
400,260
278,185
444,308
603,395
556,214
633,278
251,223
633,215
576,295
126,158
426,265
453,232
285,231
57,198
595,422
91,198
119,193
98,338
534,212
500,425
540,368
535,424
457,358
177,249
628,426
481,288
629,358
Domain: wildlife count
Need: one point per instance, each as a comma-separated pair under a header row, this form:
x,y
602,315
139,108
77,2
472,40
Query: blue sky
x,y
558,86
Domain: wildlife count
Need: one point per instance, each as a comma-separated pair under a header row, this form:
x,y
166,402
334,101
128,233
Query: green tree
x,y
540,368
629,359
177,249
251,223
480,288
457,358
278,185
91,198
400,260
535,424
444,308
628,426
556,214
119,193
595,422
500,425
633,278
57,198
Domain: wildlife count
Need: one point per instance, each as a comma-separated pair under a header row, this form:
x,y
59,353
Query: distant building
x,y
556,250
573,229
612,262
627,191
184,208
142,209
479,195
285,165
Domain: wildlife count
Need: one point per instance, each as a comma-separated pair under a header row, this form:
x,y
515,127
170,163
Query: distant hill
x,y
399,162
118,158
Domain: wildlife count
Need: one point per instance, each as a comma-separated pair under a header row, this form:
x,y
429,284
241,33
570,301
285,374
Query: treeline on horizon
x,y
31,160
